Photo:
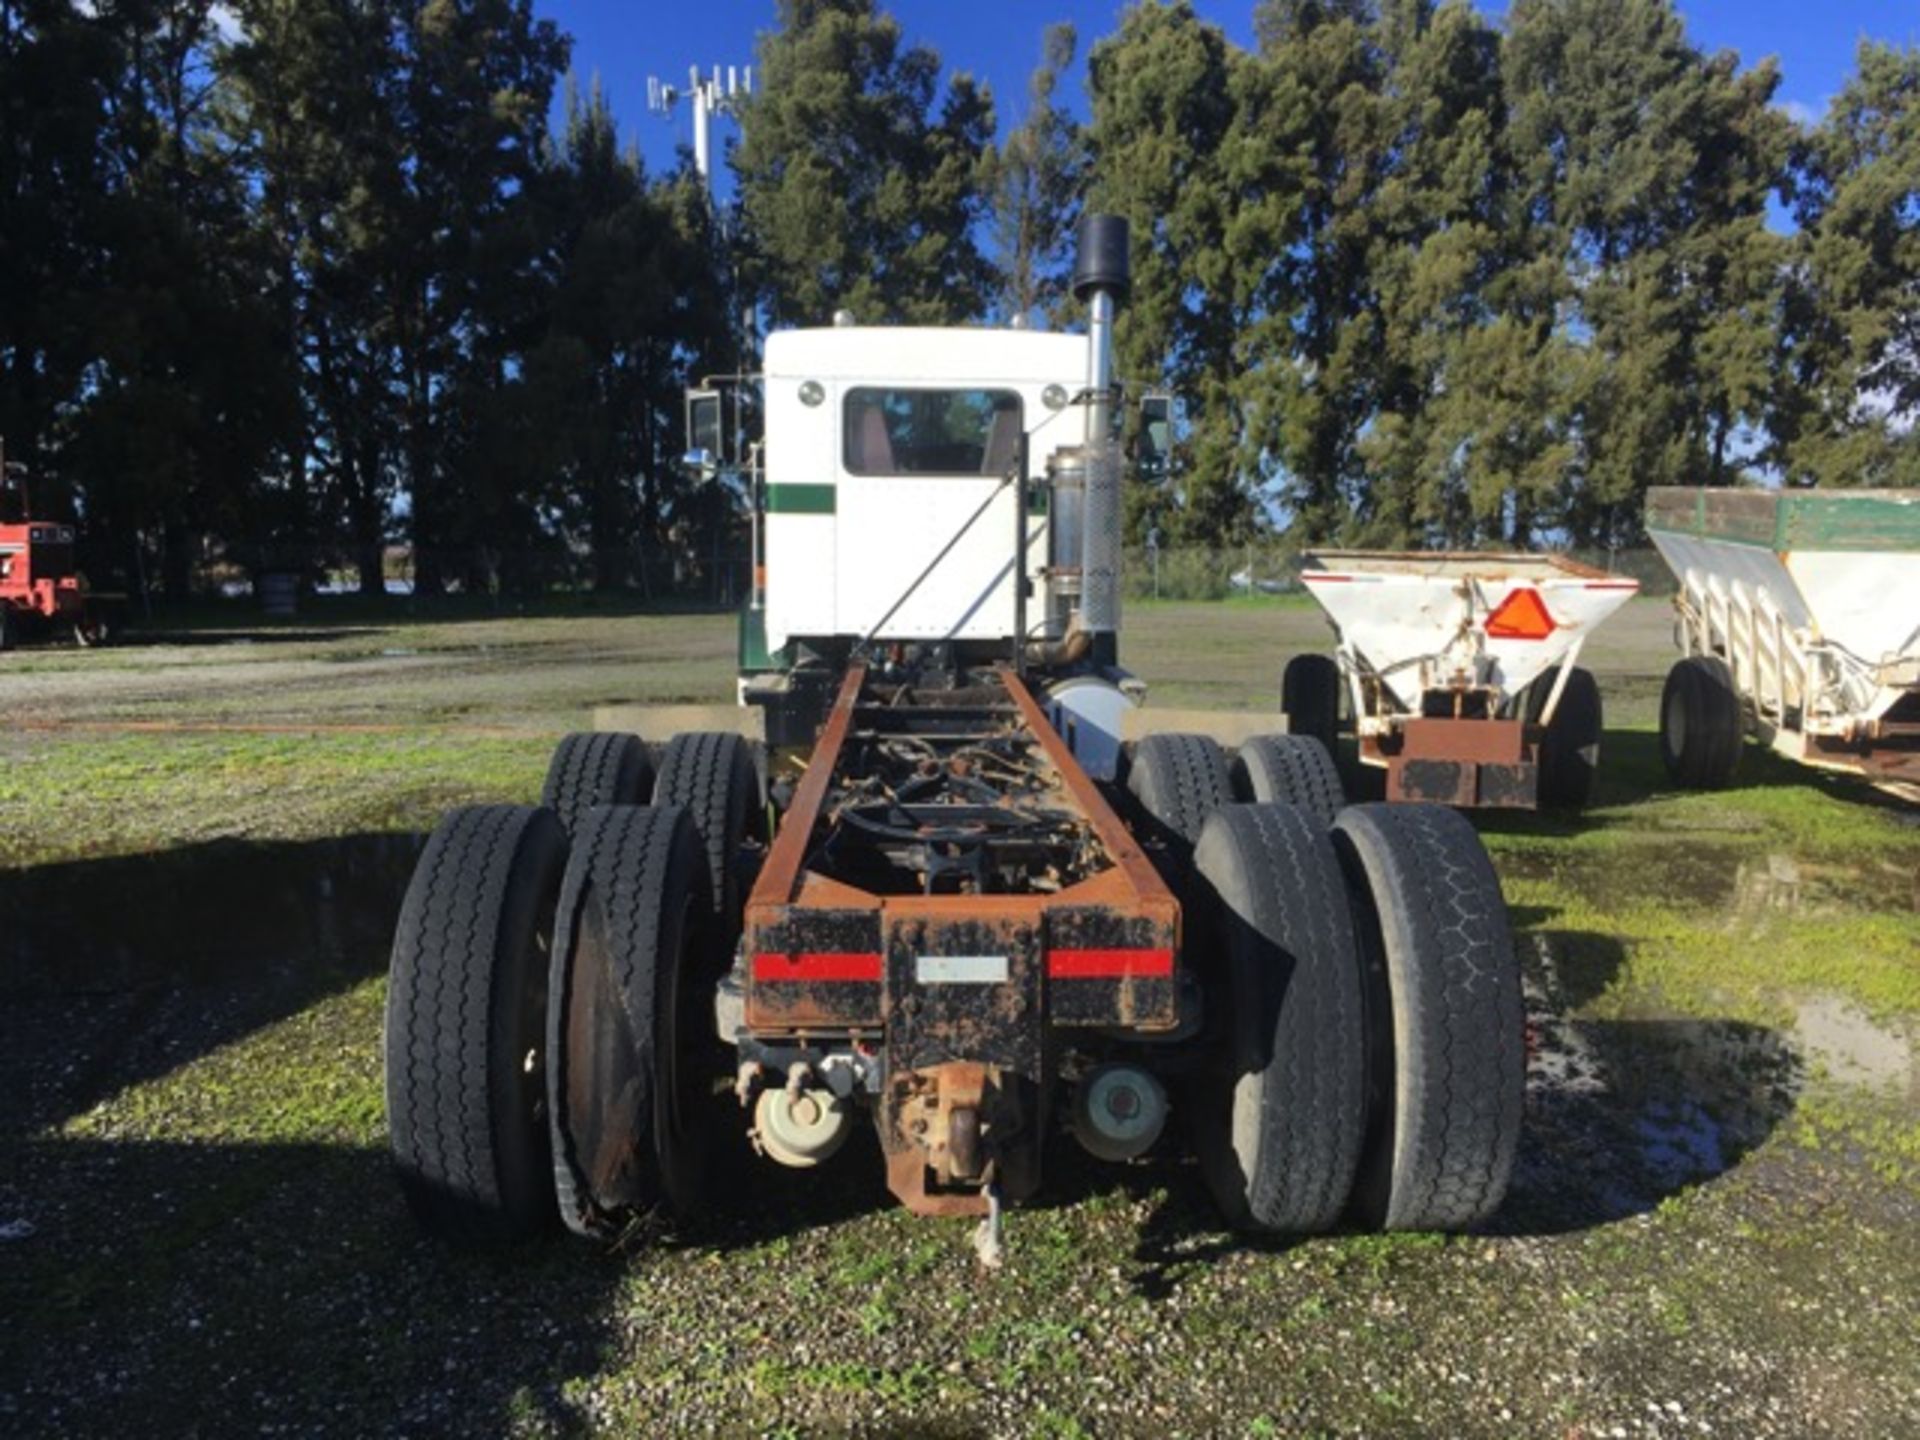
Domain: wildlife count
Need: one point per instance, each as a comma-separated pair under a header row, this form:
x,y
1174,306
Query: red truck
x,y
40,590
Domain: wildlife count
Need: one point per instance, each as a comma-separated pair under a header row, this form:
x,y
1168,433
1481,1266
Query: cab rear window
x,y
931,432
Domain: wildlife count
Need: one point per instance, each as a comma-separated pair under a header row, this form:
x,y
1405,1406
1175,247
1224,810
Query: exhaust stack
x,y
1102,279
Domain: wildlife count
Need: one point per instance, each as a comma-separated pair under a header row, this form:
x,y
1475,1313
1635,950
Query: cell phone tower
x,y
717,93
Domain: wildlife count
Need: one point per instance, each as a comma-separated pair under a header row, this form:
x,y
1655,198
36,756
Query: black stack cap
x,y
1101,260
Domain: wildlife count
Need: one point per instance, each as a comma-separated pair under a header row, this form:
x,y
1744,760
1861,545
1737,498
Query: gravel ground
x,y
1715,1228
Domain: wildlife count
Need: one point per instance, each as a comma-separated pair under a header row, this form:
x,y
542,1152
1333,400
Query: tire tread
x,y
1443,1157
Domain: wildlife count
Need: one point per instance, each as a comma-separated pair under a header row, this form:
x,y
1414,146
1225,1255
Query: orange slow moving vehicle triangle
x,y
1521,616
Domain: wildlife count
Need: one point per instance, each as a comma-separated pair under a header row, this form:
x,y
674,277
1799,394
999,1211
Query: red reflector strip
x,y
1109,964
812,966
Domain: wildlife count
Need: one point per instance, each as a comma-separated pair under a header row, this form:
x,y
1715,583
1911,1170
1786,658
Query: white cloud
x,y
1801,113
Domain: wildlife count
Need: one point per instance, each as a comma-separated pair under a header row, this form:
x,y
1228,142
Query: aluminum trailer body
x,y
1809,602
1456,668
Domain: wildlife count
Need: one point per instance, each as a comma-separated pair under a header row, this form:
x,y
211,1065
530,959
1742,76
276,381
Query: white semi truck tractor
x,y
942,904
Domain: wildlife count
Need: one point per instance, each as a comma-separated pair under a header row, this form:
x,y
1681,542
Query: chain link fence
x,y
1192,573
720,578
703,577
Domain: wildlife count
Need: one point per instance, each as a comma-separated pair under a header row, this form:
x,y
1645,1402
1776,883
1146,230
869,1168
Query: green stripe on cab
x,y
800,499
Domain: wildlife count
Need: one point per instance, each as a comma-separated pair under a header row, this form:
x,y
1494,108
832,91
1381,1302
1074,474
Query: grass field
x,y
1715,1227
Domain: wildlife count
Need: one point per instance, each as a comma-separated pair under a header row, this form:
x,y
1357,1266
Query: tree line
x,y
284,281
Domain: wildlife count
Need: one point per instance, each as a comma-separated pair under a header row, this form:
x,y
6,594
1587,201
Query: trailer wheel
x,y
1445,1026
626,1012
1289,770
466,1025
596,767
1310,698
1701,727
1280,1134
1570,750
711,773
9,627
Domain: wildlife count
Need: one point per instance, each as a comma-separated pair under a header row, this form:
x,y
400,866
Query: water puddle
x,y
1626,1109
1845,1042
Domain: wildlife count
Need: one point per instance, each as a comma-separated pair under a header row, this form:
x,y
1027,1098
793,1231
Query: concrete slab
x,y
659,722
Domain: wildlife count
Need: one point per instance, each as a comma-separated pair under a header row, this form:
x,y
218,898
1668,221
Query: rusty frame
x,y
1473,763
1566,564
966,1063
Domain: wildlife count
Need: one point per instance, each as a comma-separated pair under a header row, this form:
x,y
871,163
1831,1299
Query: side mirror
x,y
1154,453
706,427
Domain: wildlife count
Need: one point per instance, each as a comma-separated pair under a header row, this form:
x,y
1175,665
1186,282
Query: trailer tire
x,y
596,767
9,627
1310,698
711,773
1279,1135
1289,770
627,1009
1701,725
466,1025
1570,750
1445,1024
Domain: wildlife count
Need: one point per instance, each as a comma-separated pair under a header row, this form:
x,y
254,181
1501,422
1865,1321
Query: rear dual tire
x,y
1446,1027
711,774
1289,770
630,1020
465,1025
1368,1028
1279,1134
596,767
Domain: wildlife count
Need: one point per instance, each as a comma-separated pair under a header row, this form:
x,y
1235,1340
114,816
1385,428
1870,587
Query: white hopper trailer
x,y
1460,672
1799,617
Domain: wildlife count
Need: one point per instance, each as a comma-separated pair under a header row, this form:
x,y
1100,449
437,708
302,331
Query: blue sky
x,y
624,41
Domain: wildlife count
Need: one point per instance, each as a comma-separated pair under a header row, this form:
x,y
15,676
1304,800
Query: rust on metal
x,y
1488,764
1127,856
939,1128
1481,741
948,880
781,873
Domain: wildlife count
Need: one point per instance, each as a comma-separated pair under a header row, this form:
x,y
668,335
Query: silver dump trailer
x,y
1460,672
1799,622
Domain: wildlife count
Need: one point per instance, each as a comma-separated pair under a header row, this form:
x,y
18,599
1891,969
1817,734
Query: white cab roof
x,y
909,354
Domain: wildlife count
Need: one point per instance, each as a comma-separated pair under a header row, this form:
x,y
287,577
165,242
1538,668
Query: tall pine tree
x,y
857,190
